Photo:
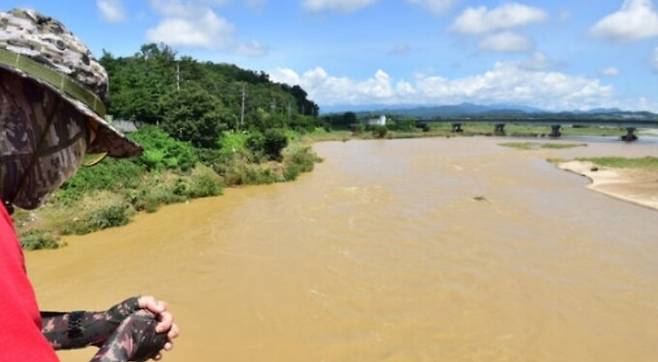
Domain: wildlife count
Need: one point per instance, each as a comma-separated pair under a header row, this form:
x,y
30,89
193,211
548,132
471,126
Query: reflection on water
x,y
382,254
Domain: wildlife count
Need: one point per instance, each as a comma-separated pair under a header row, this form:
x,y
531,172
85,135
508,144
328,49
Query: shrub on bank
x,y
155,191
379,131
38,239
297,160
104,211
268,144
204,182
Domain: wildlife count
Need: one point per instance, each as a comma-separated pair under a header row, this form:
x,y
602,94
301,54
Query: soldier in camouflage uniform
x,y
51,115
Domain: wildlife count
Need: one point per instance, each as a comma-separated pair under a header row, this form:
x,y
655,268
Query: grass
x,y
111,193
537,145
644,163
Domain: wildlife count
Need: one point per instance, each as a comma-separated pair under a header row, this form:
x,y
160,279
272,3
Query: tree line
x,y
197,101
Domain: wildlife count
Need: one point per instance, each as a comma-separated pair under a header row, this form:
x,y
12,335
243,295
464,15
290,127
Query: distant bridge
x,y
556,125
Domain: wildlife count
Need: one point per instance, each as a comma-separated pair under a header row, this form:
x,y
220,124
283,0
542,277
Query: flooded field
x,y
384,254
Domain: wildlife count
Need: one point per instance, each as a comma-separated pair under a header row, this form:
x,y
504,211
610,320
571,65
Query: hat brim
x,y
108,139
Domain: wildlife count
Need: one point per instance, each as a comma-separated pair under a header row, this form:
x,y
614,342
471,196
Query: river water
x,y
382,254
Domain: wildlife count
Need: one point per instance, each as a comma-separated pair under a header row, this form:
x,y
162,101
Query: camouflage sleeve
x,y
134,340
83,329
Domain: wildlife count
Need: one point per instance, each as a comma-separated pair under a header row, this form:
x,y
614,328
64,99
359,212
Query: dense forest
x,y
197,101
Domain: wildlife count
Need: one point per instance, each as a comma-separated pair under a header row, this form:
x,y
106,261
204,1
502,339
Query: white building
x,y
381,121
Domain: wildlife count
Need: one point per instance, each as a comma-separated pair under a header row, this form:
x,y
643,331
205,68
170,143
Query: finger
x,y
158,357
149,303
169,346
145,300
166,321
173,332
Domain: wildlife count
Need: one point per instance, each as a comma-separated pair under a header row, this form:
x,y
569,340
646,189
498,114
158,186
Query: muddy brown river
x,y
382,254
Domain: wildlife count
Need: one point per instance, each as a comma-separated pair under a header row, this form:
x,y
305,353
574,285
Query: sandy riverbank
x,y
636,186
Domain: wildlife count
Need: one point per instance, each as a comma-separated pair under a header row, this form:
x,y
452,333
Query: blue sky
x,y
556,55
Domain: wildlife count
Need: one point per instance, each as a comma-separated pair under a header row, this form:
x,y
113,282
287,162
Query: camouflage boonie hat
x,y
42,49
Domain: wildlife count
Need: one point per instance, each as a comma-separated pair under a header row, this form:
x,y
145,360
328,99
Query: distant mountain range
x,y
466,110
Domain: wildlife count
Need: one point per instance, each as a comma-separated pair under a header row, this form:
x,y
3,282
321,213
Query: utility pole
x,y
177,76
244,97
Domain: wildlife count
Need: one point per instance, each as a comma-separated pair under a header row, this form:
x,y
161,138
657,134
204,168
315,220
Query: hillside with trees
x,y
197,101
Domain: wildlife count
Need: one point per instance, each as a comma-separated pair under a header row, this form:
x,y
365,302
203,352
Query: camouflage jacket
x,y
125,332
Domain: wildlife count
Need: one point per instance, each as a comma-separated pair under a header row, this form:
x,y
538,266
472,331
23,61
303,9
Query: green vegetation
x,y
645,163
537,145
170,171
204,126
37,239
196,102
379,131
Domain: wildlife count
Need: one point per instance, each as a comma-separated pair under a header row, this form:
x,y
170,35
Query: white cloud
x,y
637,19
506,42
206,31
346,6
610,72
111,10
506,82
195,24
481,20
435,6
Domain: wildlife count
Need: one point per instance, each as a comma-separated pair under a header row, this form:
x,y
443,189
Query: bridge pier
x,y
555,131
630,135
457,128
499,129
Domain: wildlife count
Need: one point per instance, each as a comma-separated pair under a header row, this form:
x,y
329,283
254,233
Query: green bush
x,y
268,144
204,182
110,174
358,128
162,151
38,239
297,160
292,171
379,131
157,190
111,214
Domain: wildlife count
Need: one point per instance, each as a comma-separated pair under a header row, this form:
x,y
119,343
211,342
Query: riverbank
x,y
638,184
111,193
